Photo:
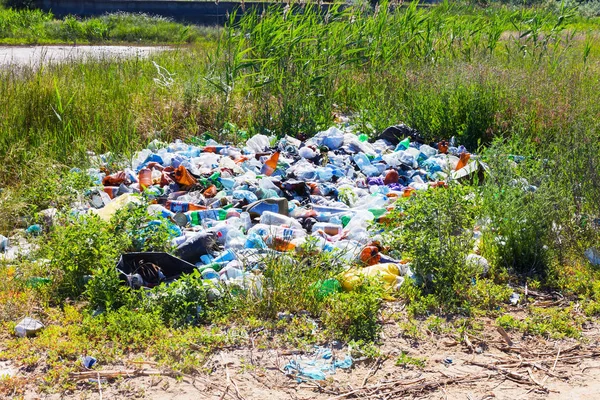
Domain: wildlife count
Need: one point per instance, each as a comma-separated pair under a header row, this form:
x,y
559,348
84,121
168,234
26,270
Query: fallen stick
x,y
509,374
373,370
116,374
377,387
530,373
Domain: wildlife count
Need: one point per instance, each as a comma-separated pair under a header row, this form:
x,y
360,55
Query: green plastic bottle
x,y
377,212
403,145
362,137
326,288
345,220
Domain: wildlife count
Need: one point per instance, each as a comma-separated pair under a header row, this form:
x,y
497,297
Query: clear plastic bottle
x,y
365,165
235,240
246,221
271,218
328,228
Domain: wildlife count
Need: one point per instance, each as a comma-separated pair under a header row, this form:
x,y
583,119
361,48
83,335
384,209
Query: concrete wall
x,y
196,12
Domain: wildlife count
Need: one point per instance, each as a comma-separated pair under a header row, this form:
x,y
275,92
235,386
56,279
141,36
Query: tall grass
x,y
38,27
450,70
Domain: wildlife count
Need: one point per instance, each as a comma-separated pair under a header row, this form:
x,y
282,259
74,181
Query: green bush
x,y
437,234
183,302
354,315
105,291
141,231
83,245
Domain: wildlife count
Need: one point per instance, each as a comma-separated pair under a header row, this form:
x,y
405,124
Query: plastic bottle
x,y
183,206
403,145
145,178
227,255
463,160
324,174
246,221
270,165
245,195
233,270
255,241
276,205
235,240
271,218
209,274
328,228
197,217
365,165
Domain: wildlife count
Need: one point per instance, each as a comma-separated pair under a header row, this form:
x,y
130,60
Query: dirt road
x,y
37,55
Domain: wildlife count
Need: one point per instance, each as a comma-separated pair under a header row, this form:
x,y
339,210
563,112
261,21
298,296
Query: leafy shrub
x,y
132,330
105,291
436,234
287,284
76,249
141,231
354,315
183,302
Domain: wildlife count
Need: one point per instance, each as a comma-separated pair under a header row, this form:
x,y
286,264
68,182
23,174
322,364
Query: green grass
x,y
505,81
39,27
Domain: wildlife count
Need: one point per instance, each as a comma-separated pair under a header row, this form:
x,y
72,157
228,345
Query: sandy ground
x,y
483,367
36,55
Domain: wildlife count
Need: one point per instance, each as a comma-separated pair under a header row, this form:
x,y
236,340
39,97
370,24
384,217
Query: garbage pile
x,y
227,207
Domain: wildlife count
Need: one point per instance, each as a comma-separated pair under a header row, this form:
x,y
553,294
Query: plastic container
x,y
145,178
270,165
365,165
183,206
271,218
328,228
274,205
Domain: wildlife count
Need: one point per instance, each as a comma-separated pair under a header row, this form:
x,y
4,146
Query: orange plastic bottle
x,y
391,176
462,162
270,165
370,255
443,147
145,178
210,192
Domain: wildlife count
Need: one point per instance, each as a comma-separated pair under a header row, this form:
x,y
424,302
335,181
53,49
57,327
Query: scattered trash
x,y
28,327
33,229
447,361
477,264
317,366
37,281
593,255
326,288
3,243
514,299
88,362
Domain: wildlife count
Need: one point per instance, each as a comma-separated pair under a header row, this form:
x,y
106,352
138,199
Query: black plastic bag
x,y
150,269
197,246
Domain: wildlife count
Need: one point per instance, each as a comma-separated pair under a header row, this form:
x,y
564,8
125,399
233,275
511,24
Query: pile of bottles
x,y
272,195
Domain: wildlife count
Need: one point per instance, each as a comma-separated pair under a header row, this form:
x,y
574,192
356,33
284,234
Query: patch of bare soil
x,y
490,365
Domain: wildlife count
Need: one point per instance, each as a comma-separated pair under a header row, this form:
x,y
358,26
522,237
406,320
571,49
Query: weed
x,y
354,315
406,361
555,323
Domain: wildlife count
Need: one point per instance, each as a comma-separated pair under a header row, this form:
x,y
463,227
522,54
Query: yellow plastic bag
x,y
388,274
111,208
